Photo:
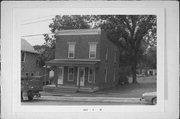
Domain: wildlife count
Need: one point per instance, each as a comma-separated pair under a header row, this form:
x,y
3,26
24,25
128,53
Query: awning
x,y
72,62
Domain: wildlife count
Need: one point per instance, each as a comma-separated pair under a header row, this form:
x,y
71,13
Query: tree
x,y
131,33
46,53
150,58
69,22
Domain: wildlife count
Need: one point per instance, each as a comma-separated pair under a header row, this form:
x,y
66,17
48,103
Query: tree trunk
x,y
134,67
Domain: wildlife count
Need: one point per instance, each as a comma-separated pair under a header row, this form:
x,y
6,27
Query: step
x,y
69,89
88,90
60,89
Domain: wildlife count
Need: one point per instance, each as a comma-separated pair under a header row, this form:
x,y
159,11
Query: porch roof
x,y
69,62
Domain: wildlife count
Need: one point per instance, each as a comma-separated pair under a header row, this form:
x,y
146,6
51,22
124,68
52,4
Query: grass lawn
x,y
145,84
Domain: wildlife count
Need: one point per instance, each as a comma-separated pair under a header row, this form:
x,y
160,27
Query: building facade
x,y
30,64
85,58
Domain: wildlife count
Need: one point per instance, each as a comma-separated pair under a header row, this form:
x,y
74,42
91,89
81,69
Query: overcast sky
x,y
31,29
34,23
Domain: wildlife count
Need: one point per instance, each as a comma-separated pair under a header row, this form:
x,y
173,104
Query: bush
x,y
123,79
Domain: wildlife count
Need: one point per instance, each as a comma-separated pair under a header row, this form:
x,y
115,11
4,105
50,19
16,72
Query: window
x,y
106,75
71,50
92,50
107,54
37,62
22,67
27,73
32,74
37,73
90,75
22,56
70,74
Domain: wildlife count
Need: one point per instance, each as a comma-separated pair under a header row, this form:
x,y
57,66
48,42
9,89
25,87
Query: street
x,y
67,100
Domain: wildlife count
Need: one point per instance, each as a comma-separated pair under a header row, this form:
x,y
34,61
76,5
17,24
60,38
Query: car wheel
x,y
154,101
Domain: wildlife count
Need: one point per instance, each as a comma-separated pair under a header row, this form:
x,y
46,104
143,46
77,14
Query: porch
x,y
73,75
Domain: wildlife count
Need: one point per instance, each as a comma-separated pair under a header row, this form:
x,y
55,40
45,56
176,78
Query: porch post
x,y
78,79
45,73
92,83
56,76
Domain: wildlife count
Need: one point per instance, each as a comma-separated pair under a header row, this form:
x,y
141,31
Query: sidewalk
x,y
76,97
92,99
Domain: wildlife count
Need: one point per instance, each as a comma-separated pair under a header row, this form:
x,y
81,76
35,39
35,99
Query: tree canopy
x,y
134,34
69,22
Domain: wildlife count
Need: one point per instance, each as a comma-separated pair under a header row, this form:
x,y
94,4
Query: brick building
x,y
85,59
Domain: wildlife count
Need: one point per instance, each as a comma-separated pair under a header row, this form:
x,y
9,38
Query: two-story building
x,y
85,59
30,64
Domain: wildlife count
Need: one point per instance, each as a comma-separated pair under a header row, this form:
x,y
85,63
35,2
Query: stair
x,y
68,89
88,89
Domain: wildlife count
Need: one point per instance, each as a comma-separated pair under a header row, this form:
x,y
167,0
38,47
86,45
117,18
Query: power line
x,y
36,21
36,35
38,18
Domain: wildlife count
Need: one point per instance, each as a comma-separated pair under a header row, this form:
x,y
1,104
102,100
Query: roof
x,y
78,32
69,62
25,46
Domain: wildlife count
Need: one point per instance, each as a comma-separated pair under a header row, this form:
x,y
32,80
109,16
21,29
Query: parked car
x,y
30,87
150,97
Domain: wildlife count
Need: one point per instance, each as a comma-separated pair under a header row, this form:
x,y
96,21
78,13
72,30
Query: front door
x,y
81,75
60,75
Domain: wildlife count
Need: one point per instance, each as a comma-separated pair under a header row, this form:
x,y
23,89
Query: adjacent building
x,y
85,59
30,64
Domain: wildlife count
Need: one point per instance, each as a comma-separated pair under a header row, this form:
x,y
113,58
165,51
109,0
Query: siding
x,y
30,65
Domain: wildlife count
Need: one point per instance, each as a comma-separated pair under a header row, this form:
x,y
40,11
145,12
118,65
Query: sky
x,y
33,29
34,24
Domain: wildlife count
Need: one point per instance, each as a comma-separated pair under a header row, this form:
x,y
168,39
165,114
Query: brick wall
x,y
109,63
81,47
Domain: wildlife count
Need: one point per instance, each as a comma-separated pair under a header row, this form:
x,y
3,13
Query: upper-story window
x,y
71,50
92,50
37,63
22,56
